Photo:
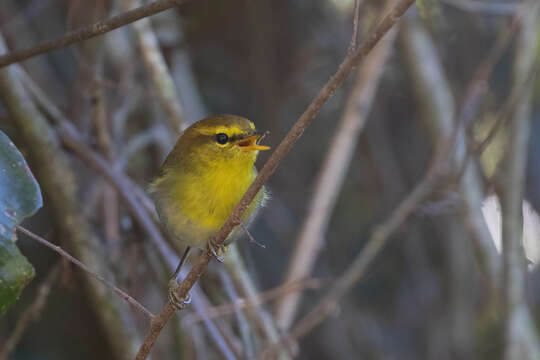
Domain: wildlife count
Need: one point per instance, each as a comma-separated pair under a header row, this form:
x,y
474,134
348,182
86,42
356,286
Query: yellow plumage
x,y
202,180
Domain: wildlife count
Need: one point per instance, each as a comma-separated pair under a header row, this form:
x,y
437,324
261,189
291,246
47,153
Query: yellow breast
x,y
198,203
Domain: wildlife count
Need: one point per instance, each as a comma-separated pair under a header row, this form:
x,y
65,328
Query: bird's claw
x,y
179,303
218,250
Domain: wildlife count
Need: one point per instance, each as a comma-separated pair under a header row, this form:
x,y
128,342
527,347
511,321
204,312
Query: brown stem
x,y
88,32
95,275
281,151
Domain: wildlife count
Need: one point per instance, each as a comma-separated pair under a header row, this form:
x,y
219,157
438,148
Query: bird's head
x,y
219,140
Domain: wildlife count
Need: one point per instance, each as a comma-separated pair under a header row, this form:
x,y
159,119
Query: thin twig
x,y
32,313
95,275
250,237
259,299
354,37
520,335
244,327
90,31
508,109
281,151
331,176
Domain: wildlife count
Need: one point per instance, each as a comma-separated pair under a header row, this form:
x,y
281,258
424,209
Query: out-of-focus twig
x,y
331,176
90,272
240,277
438,109
244,328
157,68
90,31
32,313
110,214
258,299
520,334
382,28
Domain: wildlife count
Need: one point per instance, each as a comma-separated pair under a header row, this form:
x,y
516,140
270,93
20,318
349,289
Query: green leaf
x,y
20,197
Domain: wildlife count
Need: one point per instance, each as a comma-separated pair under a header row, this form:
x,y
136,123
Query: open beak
x,y
250,143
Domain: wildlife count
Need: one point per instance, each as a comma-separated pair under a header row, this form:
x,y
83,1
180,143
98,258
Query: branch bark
x,y
281,151
157,68
90,31
521,340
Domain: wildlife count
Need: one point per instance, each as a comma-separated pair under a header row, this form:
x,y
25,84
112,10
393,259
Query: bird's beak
x,y
250,143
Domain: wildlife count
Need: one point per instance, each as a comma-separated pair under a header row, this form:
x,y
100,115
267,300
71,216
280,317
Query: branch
x,y
256,300
90,31
281,151
157,68
330,178
520,336
95,275
437,104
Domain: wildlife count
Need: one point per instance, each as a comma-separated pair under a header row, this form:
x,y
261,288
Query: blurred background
x,y
435,291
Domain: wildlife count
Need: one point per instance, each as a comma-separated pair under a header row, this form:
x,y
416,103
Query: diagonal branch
x,y
95,275
90,31
351,61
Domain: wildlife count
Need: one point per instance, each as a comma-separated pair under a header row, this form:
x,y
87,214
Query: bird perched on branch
x,y
201,181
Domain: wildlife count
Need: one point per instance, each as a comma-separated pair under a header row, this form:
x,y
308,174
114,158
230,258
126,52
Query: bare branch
x,y
281,151
258,299
95,275
157,68
354,37
520,336
90,31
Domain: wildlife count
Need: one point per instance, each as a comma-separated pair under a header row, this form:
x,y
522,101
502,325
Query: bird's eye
x,y
222,138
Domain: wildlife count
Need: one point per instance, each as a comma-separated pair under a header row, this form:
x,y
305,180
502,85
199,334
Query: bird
x,y
201,181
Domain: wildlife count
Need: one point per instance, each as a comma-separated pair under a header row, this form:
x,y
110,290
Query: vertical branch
x,y
157,68
436,102
244,327
257,315
331,176
520,333
110,216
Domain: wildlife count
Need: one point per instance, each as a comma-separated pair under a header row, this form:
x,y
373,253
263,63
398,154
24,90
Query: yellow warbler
x,y
204,178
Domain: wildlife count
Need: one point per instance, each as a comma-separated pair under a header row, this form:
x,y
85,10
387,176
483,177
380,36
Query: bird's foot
x,y
179,303
218,250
